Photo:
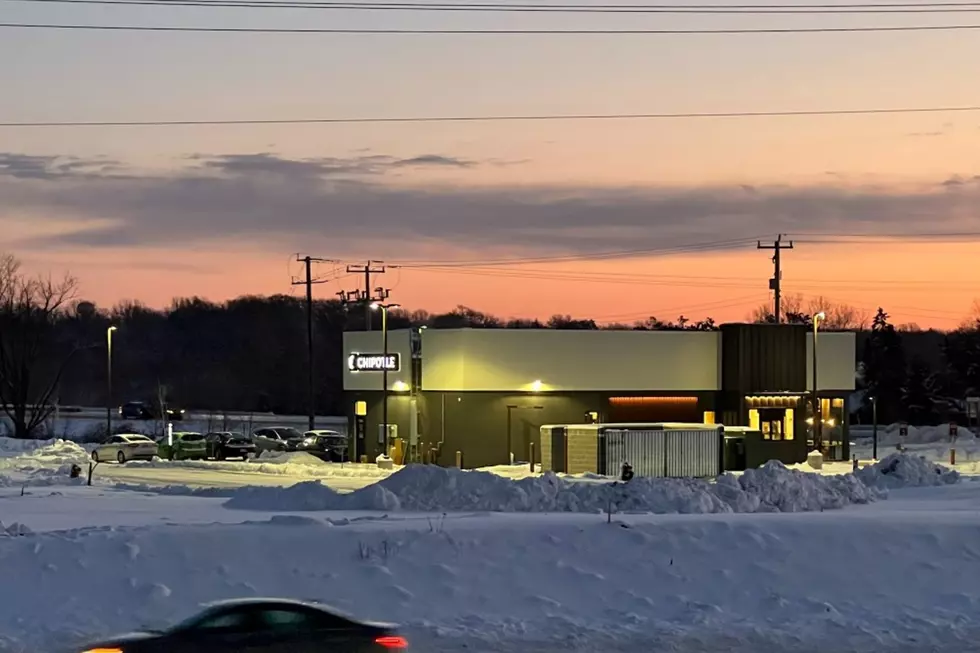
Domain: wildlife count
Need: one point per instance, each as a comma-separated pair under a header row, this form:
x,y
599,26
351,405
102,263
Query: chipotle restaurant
x,y
481,395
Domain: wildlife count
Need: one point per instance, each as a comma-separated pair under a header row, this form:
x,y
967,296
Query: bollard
x,y
952,456
531,456
459,459
855,461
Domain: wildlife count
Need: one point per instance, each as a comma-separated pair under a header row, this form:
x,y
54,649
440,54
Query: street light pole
x,y
384,371
817,417
108,382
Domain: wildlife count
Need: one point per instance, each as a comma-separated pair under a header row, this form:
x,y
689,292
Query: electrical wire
x,y
476,32
867,8
496,118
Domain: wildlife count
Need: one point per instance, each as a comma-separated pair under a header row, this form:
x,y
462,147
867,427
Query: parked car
x,y
276,438
127,446
225,444
331,446
141,410
187,445
269,625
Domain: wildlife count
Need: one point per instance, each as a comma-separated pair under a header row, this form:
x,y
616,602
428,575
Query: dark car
x,y
331,446
266,625
136,410
277,438
225,444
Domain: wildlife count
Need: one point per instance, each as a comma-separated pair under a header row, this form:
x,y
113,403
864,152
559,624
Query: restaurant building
x,y
485,393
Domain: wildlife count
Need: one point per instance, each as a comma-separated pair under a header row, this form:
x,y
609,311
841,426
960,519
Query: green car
x,y
187,446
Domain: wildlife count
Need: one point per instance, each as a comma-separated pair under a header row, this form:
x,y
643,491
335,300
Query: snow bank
x,y
33,454
300,464
773,488
13,530
905,470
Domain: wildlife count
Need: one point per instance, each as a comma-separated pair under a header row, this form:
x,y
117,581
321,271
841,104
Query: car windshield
x,y
288,433
333,439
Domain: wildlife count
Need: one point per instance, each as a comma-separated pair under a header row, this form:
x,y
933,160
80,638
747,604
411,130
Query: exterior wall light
x,y
536,386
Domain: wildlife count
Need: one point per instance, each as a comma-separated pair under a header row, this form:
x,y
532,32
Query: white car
x,y
126,446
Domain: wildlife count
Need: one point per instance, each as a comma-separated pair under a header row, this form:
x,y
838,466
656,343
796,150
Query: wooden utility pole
x,y
309,282
775,284
369,268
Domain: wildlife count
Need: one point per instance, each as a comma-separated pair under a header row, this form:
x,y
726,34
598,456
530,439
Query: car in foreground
x,y
268,625
187,445
329,446
277,438
124,447
222,445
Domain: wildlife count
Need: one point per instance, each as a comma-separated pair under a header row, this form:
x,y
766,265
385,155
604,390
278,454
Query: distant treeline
x,y
250,353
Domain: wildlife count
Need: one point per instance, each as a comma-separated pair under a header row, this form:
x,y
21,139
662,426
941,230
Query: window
x,y
776,423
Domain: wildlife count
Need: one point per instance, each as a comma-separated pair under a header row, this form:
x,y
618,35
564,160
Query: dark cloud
x,y
345,206
266,163
26,166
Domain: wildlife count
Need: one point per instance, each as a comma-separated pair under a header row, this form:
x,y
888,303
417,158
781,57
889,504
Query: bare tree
x,y
791,305
796,309
31,361
838,314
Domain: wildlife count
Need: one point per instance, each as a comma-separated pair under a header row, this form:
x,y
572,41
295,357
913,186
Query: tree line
x,y
250,354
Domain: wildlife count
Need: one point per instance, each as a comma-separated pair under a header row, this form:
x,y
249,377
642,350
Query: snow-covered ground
x,y
895,575
504,560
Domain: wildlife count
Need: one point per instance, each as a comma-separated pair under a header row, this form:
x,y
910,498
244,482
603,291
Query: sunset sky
x,y
151,213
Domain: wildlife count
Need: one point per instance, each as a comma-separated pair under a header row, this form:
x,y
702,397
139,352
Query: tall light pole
x,y
108,381
817,417
384,368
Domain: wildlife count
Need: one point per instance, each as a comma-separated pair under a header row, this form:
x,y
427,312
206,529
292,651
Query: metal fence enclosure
x,y
681,453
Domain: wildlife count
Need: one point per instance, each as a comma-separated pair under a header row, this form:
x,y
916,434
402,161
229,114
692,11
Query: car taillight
x,y
392,641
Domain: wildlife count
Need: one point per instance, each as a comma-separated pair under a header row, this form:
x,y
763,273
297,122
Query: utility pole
x,y
369,268
309,282
775,284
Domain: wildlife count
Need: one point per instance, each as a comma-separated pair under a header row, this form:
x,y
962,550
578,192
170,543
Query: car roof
x,y
132,435
325,432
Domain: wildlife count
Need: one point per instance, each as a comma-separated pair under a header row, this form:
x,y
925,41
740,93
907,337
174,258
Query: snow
x,y
857,579
903,470
773,488
771,559
297,463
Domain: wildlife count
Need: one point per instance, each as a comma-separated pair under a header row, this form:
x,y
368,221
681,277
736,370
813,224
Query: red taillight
x,y
392,641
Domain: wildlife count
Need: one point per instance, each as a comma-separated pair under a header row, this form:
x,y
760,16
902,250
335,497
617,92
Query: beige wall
x,y
503,360
370,342
836,360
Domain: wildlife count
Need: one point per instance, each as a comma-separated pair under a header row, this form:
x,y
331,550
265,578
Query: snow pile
x,y
904,470
780,489
51,454
438,489
13,530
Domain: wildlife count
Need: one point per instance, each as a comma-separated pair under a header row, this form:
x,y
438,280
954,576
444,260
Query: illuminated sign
x,y
374,362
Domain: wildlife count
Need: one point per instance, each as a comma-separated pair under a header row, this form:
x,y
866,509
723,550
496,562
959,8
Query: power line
x,y
595,256
865,8
495,118
475,32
